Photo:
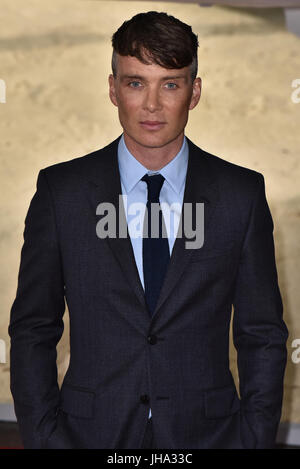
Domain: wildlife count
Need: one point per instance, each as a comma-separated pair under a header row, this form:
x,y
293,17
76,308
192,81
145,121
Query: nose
x,y
152,101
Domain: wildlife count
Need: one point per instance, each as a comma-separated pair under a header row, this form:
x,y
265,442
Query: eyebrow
x,y
139,77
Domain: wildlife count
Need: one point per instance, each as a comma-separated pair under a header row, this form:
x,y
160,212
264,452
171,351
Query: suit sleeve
x,y
259,332
36,323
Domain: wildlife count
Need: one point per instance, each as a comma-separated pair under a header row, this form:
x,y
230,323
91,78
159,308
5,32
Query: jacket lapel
x,y
200,187
104,185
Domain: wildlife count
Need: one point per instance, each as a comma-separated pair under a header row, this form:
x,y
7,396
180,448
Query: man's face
x,y
153,102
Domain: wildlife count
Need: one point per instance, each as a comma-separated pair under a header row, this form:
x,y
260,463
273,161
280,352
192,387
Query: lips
x,y
152,122
152,125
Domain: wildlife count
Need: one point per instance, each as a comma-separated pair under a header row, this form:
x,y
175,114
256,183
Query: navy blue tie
x,y
156,254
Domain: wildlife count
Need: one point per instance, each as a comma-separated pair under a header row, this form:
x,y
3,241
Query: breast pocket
x,y
204,254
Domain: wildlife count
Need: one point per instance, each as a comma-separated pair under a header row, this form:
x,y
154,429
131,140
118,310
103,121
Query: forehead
x,y
128,65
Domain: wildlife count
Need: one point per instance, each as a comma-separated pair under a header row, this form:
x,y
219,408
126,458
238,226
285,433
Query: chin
x,y
152,141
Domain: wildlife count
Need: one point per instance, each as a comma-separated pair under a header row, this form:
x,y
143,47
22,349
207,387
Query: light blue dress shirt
x,y
134,192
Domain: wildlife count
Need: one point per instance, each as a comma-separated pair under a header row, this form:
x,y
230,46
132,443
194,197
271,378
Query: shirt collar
x,y
131,170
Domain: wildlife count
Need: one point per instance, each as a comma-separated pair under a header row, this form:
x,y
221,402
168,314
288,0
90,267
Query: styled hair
x,y
158,38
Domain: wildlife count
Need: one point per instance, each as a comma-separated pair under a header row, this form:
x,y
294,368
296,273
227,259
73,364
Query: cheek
x,y
178,113
128,115
129,105
177,103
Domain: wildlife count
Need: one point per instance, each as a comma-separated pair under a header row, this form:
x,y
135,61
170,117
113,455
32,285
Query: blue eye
x,y
172,87
134,84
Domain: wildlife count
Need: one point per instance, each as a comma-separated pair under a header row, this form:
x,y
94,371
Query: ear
x,y
197,86
112,90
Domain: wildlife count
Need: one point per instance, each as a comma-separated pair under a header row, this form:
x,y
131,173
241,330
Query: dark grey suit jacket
x,y
122,362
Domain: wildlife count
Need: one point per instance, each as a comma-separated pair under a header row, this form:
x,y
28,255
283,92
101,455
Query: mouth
x,y
152,125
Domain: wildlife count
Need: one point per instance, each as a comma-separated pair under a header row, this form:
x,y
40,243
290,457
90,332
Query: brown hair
x,y
159,38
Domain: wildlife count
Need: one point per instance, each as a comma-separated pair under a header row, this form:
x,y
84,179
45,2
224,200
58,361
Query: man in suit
x,y
149,315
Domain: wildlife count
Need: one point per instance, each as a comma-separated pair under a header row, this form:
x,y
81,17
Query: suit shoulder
x,y
235,180
232,175
78,166
232,170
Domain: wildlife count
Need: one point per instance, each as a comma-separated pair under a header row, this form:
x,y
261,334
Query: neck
x,y
154,158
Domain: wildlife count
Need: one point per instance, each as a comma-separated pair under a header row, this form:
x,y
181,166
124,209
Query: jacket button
x,y
152,339
144,399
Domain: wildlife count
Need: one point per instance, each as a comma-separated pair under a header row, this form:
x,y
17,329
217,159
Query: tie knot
x,y
154,184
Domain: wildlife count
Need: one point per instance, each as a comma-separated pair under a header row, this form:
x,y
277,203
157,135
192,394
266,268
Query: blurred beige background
x,y
55,61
